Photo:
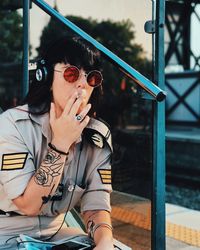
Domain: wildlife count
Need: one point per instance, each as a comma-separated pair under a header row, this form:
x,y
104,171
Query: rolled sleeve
x,y
96,200
16,161
97,195
15,182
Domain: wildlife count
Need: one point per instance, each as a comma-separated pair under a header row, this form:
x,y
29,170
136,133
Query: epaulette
x,y
98,133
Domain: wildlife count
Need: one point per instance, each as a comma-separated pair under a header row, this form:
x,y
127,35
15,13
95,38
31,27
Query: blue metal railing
x,y
26,5
145,83
158,194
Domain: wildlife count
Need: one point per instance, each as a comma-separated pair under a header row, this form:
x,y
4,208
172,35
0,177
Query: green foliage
x,y
117,36
11,4
11,46
10,36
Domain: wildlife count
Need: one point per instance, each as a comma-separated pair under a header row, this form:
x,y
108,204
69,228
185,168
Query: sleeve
x,y
16,161
97,195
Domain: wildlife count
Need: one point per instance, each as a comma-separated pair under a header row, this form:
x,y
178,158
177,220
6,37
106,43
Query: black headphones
x,y
41,73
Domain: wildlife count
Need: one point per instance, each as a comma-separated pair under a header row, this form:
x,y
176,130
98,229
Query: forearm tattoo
x,y
45,199
49,169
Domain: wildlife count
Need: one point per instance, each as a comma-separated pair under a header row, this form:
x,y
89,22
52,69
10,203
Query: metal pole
x,y
25,85
158,199
145,83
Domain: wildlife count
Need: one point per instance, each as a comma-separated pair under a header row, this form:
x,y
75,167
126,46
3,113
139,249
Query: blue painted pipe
x,y
25,87
145,83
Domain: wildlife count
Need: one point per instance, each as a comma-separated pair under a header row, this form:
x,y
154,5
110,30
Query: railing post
x,y
25,85
158,199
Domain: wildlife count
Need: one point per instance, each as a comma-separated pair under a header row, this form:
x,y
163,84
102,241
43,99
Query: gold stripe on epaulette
x,y
105,175
14,156
106,181
104,171
13,161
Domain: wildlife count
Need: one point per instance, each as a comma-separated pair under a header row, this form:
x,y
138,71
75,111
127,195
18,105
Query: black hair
x,y
68,49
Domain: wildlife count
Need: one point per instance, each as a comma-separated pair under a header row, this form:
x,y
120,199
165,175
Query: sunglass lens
x,y
94,78
71,74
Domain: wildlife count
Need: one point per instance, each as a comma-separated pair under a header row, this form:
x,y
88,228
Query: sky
x,y
138,11
195,38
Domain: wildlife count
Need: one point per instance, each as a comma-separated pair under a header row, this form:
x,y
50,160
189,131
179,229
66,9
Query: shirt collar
x,y
42,120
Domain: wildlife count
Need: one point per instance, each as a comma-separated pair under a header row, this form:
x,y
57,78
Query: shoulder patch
x,y
105,175
13,161
98,133
97,139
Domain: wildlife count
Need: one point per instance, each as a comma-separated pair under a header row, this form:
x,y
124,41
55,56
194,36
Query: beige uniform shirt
x,y
23,146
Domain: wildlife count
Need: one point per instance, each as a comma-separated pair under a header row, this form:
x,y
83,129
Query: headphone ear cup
x,y
41,73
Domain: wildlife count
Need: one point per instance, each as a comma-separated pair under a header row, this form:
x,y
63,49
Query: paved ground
x,y
131,218
172,244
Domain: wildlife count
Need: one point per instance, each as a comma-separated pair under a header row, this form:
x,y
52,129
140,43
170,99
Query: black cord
x,y
76,177
11,238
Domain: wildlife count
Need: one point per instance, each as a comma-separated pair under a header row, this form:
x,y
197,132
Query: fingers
x,y
72,107
76,106
84,117
83,113
85,122
70,104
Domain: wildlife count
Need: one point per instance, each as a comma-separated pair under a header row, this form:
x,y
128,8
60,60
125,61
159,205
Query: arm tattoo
x,y
49,169
45,199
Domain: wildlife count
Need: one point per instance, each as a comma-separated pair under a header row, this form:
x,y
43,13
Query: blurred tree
x,y
11,4
119,37
10,36
54,29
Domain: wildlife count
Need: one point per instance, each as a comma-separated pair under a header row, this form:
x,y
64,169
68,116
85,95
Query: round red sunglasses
x,y
72,73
